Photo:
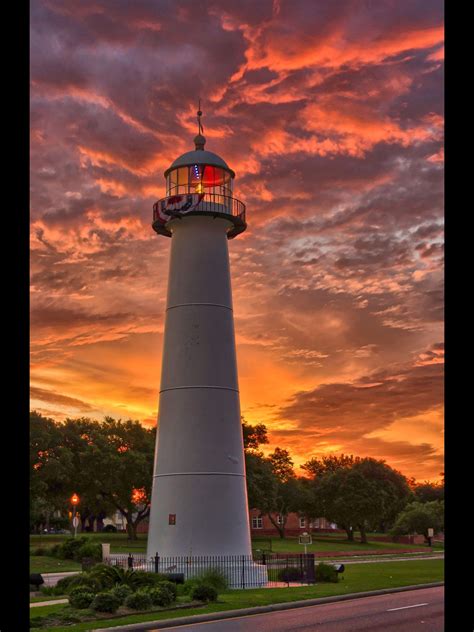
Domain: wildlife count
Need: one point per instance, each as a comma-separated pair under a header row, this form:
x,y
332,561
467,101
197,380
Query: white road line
x,y
417,605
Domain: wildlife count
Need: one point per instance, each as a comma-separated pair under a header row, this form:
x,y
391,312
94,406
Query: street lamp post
x,y
75,502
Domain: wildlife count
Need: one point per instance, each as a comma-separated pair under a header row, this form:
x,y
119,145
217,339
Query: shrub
x,y
160,596
189,585
49,590
81,598
290,574
122,591
139,600
110,576
214,577
105,602
204,592
170,587
85,581
69,548
63,584
110,529
141,579
89,549
326,573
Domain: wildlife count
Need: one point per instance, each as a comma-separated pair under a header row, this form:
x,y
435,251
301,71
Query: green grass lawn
x,y
45,564
357,578
323,543
120,544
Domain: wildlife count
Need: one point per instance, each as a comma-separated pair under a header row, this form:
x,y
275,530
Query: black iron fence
x,y
240,571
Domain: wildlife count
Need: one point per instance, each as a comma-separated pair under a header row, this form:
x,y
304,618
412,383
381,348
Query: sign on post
x,y
430,535
75,521
305,538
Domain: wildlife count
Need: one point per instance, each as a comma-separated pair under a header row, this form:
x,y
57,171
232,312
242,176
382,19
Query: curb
x,y
231,614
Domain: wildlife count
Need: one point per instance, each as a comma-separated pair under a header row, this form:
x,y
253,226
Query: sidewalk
x,y
51,602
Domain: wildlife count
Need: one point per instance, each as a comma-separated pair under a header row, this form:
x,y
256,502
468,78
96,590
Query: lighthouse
x,y
199,494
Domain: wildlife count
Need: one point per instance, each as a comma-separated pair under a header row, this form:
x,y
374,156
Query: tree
x,y
418,517
272,486
282,465
261,481
288,490
392,487
109,464
122,458
253,436
330,463
428,492
318,467
363,495
49,469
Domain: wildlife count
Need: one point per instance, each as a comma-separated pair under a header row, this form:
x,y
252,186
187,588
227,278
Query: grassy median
x,y
357,578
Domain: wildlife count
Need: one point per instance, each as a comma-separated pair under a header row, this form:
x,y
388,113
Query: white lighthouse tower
x,y
199,497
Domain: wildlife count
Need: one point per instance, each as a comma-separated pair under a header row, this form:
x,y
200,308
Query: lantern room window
x,y
199,179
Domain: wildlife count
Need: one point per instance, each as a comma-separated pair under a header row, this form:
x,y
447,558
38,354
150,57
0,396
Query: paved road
x,y
51,579
409,611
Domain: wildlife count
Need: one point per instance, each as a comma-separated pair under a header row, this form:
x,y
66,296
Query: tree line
x,y
110,465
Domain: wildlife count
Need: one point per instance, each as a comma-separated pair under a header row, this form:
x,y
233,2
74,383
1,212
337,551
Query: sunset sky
x,y
331,115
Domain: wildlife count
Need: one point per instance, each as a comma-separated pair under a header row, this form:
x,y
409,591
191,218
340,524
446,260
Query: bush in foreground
x,y
215,578
105,602
326,573
110,576
160,596
170,587
63,584
204,592
290,574
140,600
81,598
85,581
122,592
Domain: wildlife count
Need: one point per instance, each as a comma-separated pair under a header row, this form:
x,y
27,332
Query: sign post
x,y
430,535
305,538
309,560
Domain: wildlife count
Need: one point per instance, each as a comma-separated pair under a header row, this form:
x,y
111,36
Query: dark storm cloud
x,y
331,115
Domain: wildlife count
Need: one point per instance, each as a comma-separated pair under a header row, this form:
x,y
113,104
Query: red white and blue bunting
x,y
177,205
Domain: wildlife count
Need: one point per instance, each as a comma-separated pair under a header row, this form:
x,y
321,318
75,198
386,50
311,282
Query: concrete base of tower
x,y
196,514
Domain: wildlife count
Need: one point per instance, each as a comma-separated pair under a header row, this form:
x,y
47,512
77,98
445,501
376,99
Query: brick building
x,y
262,526
295,524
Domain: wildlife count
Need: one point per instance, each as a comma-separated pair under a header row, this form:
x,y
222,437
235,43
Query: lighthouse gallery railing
x,y
213,203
